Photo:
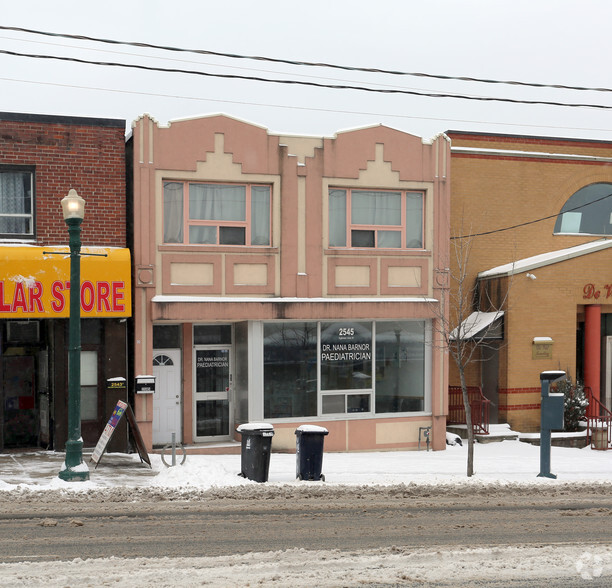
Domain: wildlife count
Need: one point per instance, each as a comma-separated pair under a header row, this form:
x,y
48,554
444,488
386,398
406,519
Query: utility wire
x,y
539,220
306,63
304,83
292,106
189,61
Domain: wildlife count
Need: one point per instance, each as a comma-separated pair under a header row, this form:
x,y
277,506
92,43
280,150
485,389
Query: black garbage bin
x,y
309,452
255,450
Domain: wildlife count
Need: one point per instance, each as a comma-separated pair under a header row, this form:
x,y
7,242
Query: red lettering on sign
x,y
589,291
59,301
36,292
19,298
103,303
4,307
118,296
32,296
88,298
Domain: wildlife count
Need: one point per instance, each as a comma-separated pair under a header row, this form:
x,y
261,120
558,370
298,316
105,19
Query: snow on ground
x,y
505,462
394,566
496,464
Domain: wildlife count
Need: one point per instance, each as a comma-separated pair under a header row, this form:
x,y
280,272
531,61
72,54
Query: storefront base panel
x,y
367,434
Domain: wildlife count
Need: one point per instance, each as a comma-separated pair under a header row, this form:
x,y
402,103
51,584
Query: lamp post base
x,y
74,476
74,469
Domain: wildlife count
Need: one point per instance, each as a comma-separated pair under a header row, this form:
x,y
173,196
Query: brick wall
x,y
490,191
67,152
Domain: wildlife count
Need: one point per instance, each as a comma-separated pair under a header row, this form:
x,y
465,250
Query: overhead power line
x,y
305,83
538,220
386,114
306,63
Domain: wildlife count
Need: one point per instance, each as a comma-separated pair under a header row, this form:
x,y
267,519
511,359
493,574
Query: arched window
x,y
588,211
162,359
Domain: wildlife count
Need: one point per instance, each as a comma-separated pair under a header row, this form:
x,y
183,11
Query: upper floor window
x,y
216,214
587,211
375,218
16,202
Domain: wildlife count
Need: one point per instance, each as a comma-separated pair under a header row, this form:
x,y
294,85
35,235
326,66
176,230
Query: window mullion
x,y
247,216
349,218
186,213
404,220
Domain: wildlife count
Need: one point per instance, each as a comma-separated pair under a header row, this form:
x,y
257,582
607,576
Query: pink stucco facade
x,y
219,303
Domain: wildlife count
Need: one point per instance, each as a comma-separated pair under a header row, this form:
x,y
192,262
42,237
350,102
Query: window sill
x,y
17,239
379,252
218,248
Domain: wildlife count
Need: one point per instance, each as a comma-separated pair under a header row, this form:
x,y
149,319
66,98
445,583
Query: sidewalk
x,y
506,462
41,467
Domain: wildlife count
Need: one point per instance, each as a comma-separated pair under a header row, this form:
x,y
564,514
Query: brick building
x,y
289,280
551,278
41,158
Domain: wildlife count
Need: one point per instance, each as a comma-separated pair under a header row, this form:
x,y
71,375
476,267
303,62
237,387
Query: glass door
x,y
213,380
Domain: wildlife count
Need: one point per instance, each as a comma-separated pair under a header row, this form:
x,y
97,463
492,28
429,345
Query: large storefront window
x,y
290,370
346,365
400,366
361,367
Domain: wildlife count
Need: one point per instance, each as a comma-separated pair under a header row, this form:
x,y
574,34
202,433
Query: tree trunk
x,y
468,423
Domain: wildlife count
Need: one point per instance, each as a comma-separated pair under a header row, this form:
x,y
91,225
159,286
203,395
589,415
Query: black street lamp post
x,y
73,207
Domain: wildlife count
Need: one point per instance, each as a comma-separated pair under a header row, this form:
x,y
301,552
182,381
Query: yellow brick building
x,y
538,213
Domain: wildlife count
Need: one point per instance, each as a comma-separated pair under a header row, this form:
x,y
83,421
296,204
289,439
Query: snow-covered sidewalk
x,y
23,476
494,463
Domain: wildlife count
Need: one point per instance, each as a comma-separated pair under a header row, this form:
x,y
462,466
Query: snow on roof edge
x,y
543,259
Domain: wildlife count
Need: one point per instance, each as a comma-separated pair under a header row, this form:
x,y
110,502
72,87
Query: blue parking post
x,y
551,417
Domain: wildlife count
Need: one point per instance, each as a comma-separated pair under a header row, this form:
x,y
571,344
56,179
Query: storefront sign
x,y
212,359
341,346
37,285
346,352
591,291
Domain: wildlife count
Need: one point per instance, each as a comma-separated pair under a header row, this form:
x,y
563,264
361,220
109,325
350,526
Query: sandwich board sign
x,y
122,409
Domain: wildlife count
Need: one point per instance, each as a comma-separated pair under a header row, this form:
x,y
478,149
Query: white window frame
x,y
9,169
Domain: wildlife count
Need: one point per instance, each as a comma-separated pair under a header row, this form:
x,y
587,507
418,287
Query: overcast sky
x,y
537,41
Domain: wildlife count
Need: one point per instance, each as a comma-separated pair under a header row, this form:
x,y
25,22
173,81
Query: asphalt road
x,y
129,523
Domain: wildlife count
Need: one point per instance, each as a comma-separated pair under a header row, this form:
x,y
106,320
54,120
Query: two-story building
x,y
289,280
41,158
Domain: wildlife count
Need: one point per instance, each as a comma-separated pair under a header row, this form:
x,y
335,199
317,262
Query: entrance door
x,y
490,375
19,424
213,378
167,396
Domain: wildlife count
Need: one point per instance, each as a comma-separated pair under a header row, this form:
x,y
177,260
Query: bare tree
x,y
463,333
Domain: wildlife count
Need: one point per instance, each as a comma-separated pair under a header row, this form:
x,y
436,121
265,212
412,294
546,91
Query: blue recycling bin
x,y
309,452
256,444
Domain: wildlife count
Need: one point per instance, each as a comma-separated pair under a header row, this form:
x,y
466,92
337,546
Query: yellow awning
x,y
35,282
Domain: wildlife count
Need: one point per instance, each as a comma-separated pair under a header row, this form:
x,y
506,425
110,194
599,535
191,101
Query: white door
x,y
167,396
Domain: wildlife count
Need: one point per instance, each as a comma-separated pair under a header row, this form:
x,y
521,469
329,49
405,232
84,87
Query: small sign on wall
x,y
541,348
